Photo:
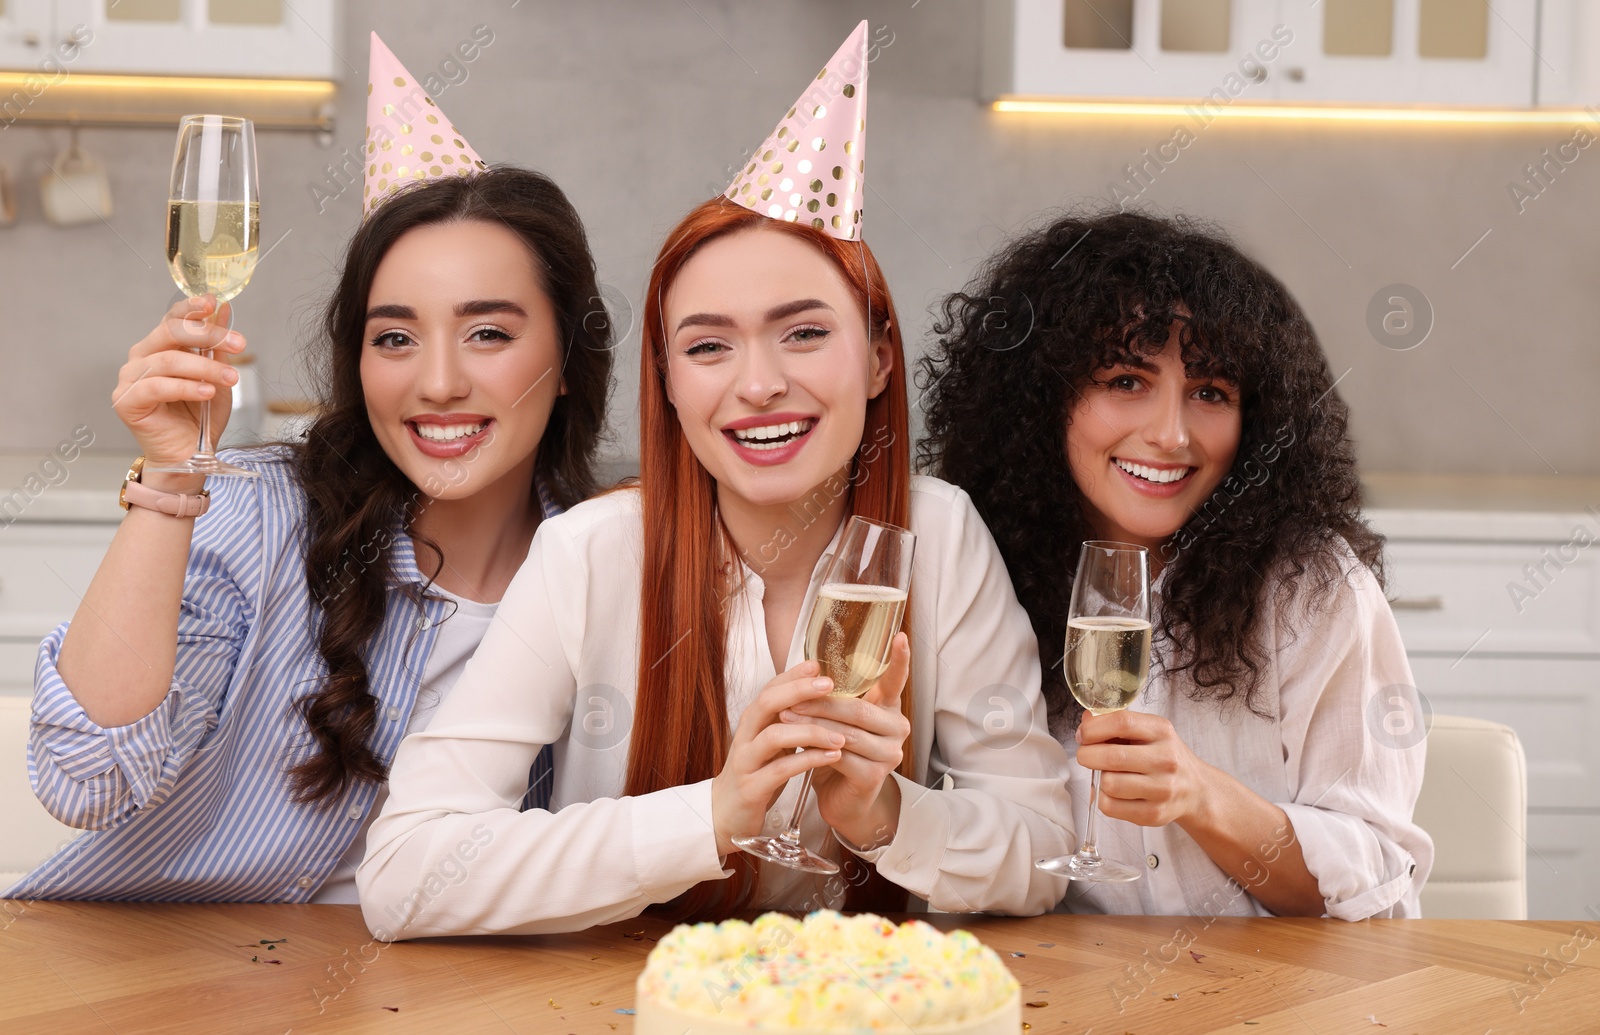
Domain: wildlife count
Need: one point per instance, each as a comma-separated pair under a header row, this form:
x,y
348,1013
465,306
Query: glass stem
x,y
1089,848
204,448
792,835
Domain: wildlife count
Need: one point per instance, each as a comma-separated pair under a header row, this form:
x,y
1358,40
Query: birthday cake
x,y
827,975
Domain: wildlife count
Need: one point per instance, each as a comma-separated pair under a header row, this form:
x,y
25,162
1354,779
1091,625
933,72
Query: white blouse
x,y
459,635
1331,754
450,853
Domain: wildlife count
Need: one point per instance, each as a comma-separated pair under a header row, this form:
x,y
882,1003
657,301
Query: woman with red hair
x,y
654,636
651,637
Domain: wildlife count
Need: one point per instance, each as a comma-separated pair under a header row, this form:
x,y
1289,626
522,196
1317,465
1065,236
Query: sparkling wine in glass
x,y
213,235
1107,663
854,617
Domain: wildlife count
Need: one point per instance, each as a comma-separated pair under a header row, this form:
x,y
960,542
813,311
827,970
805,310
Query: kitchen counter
x,y
1400,505
40,487
1495,508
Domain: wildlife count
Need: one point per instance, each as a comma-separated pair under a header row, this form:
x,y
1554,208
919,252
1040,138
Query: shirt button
x,y
1151,861
355,812
424,622
304,882
394,714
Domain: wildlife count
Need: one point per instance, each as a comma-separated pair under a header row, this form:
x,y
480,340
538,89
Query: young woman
x,y
1169,392
654,636
222,709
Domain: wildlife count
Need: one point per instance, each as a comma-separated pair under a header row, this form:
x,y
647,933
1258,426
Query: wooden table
x,y
97,967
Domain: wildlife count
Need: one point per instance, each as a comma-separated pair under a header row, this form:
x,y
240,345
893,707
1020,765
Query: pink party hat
x,y
813,165
408,136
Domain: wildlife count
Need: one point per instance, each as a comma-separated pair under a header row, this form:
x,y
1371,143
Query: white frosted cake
x,y
826,975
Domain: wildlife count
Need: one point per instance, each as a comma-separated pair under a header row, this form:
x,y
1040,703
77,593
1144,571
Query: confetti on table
x,y
273,941
594,1002
1019,955
258,959
1374,1019
392,1009
1198,956
1172,997
1038,1003
1047,945
624,1011
553,1005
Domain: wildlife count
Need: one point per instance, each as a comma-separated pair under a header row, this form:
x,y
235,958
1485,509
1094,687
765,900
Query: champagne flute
x,y
213,234
854,617
1107,663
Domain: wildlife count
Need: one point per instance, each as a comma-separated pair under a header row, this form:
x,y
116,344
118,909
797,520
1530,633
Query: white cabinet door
x,y
44,570
1411,72
1390,52
1564,865
1026,53
1552,703
16,667
233,38
1495,598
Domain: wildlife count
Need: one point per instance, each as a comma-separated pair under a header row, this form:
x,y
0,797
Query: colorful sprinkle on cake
x,y
828,973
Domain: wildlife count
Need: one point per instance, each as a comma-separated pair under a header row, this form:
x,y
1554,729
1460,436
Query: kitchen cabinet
x,y
45,567
234,38
1513,53
1500,614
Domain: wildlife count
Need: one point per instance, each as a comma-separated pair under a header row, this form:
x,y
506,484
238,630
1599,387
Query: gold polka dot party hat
x,y
812,168
408,136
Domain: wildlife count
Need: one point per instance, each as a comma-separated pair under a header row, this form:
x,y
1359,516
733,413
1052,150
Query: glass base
x,y
1088,867
786,853
202,463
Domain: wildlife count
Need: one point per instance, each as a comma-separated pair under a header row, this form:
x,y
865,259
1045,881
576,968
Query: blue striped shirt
x,y
192,803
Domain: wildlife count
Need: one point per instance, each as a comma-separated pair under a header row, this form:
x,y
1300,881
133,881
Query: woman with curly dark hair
x,y
1138,379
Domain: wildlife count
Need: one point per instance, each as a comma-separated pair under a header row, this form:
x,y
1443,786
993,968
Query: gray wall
x,y
640,110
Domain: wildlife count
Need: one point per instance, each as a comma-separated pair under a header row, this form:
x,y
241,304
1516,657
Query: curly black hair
x,y
1090,290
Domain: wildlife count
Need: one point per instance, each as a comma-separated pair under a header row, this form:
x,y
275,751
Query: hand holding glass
x,y
853,621
1107,663
213,235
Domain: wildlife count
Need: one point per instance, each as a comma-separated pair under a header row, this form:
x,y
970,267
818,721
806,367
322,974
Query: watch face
x,y
135,473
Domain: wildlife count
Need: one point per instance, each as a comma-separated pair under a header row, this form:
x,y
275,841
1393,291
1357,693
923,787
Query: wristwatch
x,y
174,504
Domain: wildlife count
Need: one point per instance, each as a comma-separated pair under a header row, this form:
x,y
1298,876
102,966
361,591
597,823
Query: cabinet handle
x,y
1433,603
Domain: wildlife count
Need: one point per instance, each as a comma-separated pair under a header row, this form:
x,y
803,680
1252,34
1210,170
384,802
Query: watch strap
x,y
173,504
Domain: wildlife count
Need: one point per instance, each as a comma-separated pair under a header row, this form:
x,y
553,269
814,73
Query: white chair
x,y
1474,803
32,834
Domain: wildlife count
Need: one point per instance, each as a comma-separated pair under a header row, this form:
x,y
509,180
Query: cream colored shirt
x,y
450,853
1335,752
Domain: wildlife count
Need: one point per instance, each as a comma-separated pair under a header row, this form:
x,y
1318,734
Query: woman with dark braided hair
x,y
1139,379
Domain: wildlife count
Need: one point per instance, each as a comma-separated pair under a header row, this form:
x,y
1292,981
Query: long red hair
x,y
680,714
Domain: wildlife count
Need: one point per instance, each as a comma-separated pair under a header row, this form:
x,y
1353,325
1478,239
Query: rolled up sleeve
x,y
1354,781
93,777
